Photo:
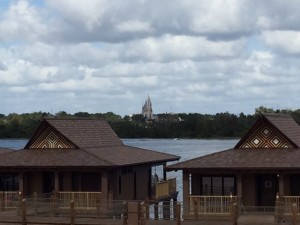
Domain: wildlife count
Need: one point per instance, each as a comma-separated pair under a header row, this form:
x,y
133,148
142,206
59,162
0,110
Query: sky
x,y
190,56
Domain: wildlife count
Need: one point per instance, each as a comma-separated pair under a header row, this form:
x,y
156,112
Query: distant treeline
x,y
180,125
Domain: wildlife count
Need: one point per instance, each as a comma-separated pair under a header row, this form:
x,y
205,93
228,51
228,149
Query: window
x,y
9,182
217,185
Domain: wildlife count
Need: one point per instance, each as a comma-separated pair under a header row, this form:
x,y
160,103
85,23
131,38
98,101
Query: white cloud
x,y
22,21
287,41
194,56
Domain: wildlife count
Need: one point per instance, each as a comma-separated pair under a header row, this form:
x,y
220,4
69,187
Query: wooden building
x,y
263,165
81,155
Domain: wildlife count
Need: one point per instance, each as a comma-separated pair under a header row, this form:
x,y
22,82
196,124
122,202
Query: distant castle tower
x,y
147,109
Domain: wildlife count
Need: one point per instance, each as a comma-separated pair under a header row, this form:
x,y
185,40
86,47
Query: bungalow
x,y
81,155
263,165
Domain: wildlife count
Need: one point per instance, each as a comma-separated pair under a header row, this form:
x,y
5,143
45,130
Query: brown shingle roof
x,y
83,133
287,125
284,123
50,158
5,150
243,159
92,157
126,155
253,158
98,146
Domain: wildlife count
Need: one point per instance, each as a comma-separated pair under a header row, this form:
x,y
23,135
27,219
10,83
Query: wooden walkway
x,y
10,218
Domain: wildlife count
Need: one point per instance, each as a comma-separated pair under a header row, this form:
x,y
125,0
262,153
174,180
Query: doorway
x,y
48,182
267,188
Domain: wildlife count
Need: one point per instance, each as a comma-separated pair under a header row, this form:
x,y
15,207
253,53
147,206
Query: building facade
x,y
80,155
263,166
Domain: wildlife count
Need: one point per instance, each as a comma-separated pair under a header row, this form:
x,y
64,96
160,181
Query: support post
x,y
147,208
56,181
2,207
19,209
104,188
164,171
239,188
279,208
281,183
35,203
196,210
156,210
186,193
72,212
21,182
294,216
234,213
178,214
98,206
174,207
24,221
125,213
142,214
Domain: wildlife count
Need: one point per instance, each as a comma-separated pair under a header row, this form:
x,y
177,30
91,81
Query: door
x,y
267,187
48,182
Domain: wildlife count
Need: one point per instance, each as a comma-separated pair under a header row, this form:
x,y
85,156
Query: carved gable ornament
x,y
50,139
266,136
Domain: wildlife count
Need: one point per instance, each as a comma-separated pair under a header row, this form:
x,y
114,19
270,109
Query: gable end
x,y
265,136
50,139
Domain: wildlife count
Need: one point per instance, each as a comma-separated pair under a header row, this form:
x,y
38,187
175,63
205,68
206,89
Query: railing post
x,y
20,204
147,208
178,214
72,212
279,208
174,207
142,214
294,211
2,202
98,206
156,210
35,202
234,213
24,222
196,210
125,213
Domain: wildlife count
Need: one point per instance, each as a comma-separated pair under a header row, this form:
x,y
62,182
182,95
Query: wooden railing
x,y
287,202
164,188
8,199
82,199
211,204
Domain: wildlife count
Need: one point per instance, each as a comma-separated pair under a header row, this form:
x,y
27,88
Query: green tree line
x,y
180,125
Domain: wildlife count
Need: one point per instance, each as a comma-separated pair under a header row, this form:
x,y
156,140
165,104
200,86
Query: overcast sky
x,y
190,56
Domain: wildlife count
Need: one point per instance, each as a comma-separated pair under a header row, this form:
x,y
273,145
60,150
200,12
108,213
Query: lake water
x,y
185,148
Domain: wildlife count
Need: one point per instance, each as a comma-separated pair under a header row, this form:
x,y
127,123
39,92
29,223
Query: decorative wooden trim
x,y
266,136
50,139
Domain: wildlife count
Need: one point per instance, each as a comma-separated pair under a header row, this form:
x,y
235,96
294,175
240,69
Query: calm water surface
x,y
185,148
